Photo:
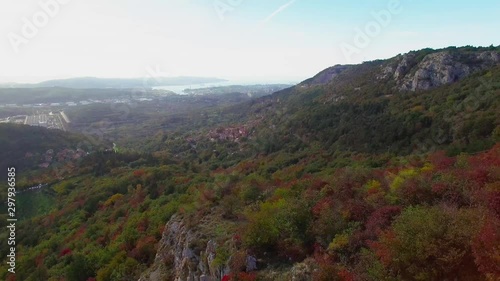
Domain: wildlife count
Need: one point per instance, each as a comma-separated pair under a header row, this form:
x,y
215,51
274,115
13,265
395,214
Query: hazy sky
x,y
260,40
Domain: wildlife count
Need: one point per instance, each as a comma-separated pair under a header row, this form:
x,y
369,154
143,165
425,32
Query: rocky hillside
x,y
185,254
421,70
367,108
411,72
356,108
325,76
346,176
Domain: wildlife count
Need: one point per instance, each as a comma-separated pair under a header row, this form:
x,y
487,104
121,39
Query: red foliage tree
x,y
486,248
244,276
494,202
39,260
65,252
322,204
345,275
357,210
144,250
139,173
381,249
440,161
380,219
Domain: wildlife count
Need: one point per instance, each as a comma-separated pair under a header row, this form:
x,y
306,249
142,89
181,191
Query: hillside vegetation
x,y
347,176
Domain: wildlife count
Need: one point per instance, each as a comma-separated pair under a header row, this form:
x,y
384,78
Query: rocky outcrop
x,y
411,72
185,254
179,259
302,271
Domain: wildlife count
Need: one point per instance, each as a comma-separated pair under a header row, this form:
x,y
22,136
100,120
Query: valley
x,y
257,140
385,170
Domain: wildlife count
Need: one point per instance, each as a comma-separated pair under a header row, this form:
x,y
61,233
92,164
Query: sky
x,y
245,40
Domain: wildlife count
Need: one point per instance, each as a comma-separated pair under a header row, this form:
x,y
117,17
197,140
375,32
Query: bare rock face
x,y
251,263
177,259
186,254
302,271
404,66
437,69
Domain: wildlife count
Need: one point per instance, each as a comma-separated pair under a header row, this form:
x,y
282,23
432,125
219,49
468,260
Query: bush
x,y
430,243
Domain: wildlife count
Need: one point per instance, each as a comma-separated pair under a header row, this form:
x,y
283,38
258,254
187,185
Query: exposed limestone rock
x,y
178,258
404,66
302,271
251,264
436,69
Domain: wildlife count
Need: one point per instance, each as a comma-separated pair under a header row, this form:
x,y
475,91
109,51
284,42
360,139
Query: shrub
x,y
429,243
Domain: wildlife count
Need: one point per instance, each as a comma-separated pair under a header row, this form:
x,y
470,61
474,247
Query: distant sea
x,y
180,89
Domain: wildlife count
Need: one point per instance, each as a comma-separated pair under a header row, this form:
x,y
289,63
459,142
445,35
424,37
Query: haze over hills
x,y
99,83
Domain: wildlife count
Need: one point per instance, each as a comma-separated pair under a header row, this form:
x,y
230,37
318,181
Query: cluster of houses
x,y
233,134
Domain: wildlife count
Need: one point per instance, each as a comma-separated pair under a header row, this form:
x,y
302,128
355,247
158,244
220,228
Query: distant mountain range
x,y
100,83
